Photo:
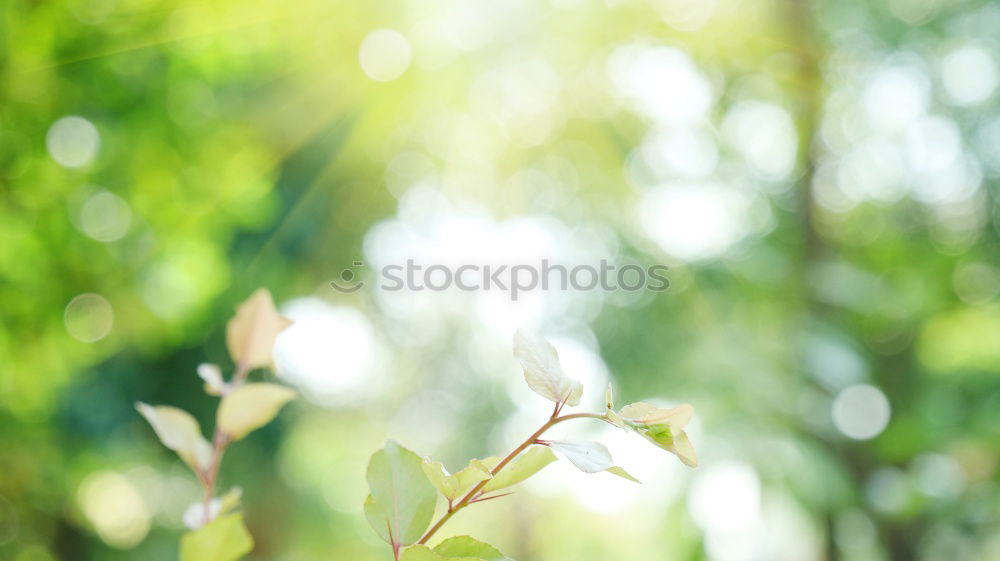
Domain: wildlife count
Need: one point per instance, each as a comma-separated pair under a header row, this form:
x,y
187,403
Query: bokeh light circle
x,y
73,141
105,217
861,412
384,55
89,317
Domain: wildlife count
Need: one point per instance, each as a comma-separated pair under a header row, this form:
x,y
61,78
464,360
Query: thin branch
x,y
484,499
473,495
219,443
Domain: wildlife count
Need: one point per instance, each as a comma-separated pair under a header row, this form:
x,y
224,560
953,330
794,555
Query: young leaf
x,y
620,472
250,335
250,407
180,432
521,468
212,376
424,553
542,370
194,516
646,414
420,553
224,539
452,486
663,427
402,501
459,548
589,457
464,546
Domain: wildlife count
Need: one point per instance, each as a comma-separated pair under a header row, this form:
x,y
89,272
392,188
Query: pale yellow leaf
x,y
684,450
250,334
180,432
212,376
250,407
620,472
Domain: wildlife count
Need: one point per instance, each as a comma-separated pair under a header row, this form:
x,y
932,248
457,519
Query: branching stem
x,y
471,496
219,443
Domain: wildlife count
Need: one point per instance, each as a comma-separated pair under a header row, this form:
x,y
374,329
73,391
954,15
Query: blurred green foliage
x,y
229,145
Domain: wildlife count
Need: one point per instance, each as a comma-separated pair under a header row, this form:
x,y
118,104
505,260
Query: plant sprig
x,y
217,530
404,487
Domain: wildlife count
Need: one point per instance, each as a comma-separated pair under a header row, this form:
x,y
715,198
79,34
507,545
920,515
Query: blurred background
x,y
820,177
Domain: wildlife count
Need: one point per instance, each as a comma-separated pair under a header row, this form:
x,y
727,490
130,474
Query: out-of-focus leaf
x,y
250,334
402,501
524,466
542,370
195,516
212,376
250,407
180,432
224,539
465,546
452,486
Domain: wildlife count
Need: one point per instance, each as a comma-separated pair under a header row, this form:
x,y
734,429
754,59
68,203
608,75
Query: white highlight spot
x,y
384,55
861,412
662,82
725,498
73,141
689,152
88,317
895,97
328,351
764,135
693,222
969,74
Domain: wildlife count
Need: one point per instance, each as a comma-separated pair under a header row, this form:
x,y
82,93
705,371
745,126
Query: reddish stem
x,y
219,443
471,496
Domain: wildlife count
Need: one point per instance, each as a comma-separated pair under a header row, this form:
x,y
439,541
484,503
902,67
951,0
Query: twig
x,y
471,496
219,443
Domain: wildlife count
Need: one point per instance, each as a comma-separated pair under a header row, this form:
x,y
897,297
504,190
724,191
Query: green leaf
x,y
402,501
620,472
542,370
452,486
378,517
424,553
250,407
458,548
224,539
180,432
419,553
465,546
521,468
